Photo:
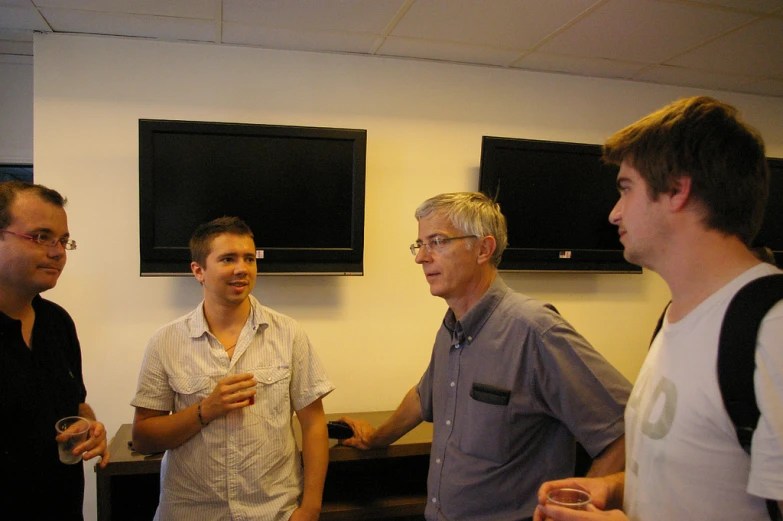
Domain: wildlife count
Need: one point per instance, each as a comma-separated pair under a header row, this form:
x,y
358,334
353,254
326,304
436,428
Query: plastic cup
x,y
573,498
71,431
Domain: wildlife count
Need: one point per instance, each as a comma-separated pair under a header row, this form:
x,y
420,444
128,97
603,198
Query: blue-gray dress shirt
x,y
509,388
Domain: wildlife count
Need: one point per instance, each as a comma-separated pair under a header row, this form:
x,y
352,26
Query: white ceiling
x,y
734,45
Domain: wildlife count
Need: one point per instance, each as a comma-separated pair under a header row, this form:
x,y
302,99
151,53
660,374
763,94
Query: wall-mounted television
x,y
771,233
556,198
300,189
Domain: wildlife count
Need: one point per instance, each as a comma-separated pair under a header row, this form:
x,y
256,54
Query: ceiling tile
x,y
274,38
643,30
756,49
202,9
358,16
444,51
21,48
540,61
669,75
511,24
16,59
166,28
22,18
751,6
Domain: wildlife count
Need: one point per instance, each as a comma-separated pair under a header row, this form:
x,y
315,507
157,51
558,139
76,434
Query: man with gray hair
x,y
510,385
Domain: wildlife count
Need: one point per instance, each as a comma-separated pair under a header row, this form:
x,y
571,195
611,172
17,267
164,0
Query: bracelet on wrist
x,y
200,418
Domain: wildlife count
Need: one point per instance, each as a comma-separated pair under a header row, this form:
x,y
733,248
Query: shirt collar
x,y
198,322
463,331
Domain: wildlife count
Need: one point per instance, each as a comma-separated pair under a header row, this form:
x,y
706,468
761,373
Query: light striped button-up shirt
x,y
245,465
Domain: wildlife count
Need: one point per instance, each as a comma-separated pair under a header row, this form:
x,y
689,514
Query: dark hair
x,y
9,189
763,254
201,240
473,213
705,140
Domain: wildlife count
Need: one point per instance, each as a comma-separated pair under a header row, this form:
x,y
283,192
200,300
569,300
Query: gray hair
x,y
473,213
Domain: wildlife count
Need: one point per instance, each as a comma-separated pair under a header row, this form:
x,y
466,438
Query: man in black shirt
x,y
40,362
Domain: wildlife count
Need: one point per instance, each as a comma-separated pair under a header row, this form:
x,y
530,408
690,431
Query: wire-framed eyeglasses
x,y
46,239
437,243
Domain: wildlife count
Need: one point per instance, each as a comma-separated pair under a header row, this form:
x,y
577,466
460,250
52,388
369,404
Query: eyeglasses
x,y
437,243
45,239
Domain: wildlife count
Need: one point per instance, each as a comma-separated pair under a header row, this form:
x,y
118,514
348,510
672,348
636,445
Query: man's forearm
x,y
610,461
406,417
85,411
315,453
156,431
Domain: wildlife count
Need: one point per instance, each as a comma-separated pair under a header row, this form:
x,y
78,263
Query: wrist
x,y
200,414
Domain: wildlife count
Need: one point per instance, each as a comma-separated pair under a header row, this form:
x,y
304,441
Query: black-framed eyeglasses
x,y
437,243
46,239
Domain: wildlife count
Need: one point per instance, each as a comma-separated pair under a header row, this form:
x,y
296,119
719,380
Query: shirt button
x,y
434,500
470,339
453,384
448,422
437,461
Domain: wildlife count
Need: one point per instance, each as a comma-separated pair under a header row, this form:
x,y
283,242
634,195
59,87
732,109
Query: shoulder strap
x,y
737,348
660,323
737,361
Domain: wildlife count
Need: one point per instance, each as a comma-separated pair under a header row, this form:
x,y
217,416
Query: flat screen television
x,y
300,189
556,198
771,233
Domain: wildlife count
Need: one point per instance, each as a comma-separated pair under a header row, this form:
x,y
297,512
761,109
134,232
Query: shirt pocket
x,y
273,399
485,432
190,389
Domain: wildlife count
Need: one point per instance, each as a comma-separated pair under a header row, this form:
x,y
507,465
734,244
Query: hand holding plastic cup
x,y
573,498
71,431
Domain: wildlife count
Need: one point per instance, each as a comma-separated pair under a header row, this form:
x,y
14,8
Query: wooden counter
x,y
378,484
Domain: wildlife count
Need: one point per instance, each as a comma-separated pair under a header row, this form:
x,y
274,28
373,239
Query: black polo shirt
x,y
39,386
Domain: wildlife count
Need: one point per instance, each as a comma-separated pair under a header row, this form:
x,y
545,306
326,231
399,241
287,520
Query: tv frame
x,y
547,259
167,261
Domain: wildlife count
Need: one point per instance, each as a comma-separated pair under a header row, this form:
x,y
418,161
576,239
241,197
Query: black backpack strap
x,y
659,325
737,359
737,349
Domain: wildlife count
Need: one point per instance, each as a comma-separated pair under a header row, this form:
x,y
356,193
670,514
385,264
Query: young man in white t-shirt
x,y
693,184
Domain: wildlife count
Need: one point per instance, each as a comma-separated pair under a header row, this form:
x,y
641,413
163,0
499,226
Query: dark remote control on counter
x,y
339,430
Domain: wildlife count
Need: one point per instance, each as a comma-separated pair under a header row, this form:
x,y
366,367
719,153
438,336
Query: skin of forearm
x,y
315,453
406,417
610,461
156,433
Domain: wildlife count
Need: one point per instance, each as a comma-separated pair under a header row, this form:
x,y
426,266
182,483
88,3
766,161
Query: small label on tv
x,y
259,254
565,254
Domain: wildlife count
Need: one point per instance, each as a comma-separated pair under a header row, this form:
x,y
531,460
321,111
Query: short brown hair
x,y
201,240
705,140
9,189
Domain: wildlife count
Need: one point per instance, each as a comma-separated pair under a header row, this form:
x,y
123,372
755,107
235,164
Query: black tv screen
x,y
300,189
556,198
771,233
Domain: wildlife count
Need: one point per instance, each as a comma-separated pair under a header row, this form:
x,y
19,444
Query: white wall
x,y
424,124
16,110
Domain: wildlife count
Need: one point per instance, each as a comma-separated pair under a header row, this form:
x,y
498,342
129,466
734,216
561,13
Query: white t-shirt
x,y
683,460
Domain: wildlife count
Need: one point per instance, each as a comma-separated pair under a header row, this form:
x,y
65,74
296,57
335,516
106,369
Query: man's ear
x,y
487,246
198,271
680,192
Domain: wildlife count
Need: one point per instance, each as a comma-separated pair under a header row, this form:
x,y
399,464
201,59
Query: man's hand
x,y
363,434
555,513
303,514
231,393
603,491
96,444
